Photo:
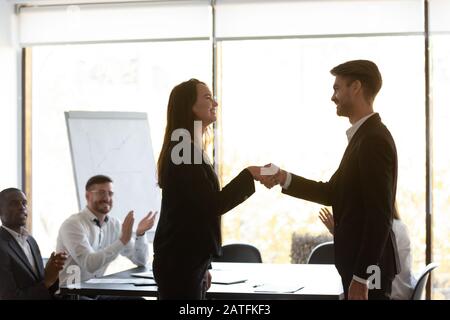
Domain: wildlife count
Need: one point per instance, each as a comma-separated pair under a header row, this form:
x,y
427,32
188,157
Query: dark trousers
x,y
180,280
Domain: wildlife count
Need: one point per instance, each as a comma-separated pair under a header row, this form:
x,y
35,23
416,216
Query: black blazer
x,y
17,279
362,194
191,208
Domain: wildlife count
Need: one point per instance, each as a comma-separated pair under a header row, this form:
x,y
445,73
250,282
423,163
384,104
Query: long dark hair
x,y
179,116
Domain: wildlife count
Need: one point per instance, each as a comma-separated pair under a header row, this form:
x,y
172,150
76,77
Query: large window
x,y
102,77
9,75
441,168
440,97
274,89
276,108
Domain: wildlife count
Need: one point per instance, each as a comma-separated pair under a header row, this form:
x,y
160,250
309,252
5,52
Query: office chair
x,y
422,280
322,254
239,252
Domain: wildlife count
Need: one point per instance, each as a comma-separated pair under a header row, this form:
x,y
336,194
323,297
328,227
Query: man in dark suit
x,y
361,191
22,273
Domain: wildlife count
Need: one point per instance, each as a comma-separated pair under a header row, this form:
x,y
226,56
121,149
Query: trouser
x,y
180,280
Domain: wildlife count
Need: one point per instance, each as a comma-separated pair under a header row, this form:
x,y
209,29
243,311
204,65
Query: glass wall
x,y
441,165
274,90
9,104
276,107
102,77
440,98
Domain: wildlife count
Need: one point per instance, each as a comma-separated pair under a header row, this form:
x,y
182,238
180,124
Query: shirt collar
x,y
92,217
23,235
352,130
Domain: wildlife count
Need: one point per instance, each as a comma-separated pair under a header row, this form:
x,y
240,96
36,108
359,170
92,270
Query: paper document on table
x,y
226,277
140,282
277,288
145,274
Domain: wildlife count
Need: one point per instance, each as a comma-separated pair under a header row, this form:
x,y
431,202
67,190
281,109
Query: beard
x,y
102,206
343,109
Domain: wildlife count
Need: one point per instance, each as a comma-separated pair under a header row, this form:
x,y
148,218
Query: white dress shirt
x,y
21,239
92,248
352,130
404,282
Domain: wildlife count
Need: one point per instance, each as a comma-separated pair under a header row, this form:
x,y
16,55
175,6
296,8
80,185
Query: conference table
x,y
237,281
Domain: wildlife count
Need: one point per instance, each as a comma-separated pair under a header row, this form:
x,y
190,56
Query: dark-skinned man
x,y
22,273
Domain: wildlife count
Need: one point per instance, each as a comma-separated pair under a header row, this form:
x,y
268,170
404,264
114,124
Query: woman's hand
x,y
256,172
327,219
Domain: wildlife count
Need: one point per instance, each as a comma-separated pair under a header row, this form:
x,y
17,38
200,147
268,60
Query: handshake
x,y
269,175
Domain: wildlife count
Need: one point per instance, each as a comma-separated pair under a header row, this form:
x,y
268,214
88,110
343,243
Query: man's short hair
x,y
98,179
363,70
4,193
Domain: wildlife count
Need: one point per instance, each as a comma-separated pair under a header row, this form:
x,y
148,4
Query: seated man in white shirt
x,y
93,239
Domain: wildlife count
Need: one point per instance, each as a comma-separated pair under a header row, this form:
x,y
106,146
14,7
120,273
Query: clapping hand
x,y
54,265
327,219
127,228
146,223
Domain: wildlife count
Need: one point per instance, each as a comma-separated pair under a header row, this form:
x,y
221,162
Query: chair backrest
x,y
422,281
239,252
322,254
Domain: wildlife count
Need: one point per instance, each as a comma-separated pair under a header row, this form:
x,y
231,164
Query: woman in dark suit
x,y
188,233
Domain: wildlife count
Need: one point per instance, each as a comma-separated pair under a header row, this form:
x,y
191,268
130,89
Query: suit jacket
x,y
362,194
17,278
191,208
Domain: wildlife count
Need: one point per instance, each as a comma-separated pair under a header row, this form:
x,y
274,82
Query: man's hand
x,y
271,175
207,280
358,291
54,265
281,177
146,223
127,228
